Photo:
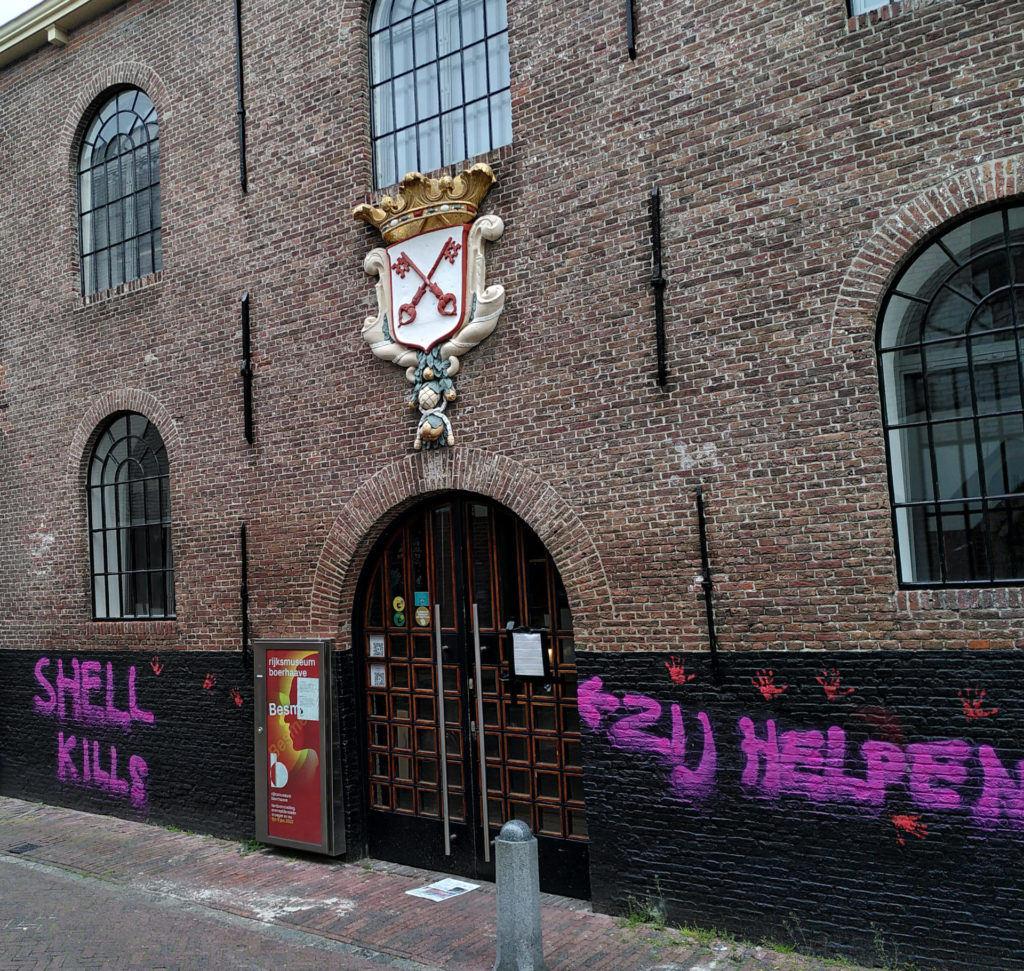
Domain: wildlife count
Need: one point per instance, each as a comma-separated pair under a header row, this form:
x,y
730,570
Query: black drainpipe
x,y
241,97
246,369
658,282
705,582
244,597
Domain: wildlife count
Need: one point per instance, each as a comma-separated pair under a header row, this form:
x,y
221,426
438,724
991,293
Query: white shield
x,y
428,286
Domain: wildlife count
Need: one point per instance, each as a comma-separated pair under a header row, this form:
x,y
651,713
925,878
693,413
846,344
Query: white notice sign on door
x,y
527,654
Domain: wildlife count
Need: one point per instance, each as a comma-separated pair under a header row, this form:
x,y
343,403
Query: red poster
x,y
294,710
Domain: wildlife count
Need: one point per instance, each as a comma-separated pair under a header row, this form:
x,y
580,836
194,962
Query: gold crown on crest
x,y
423,204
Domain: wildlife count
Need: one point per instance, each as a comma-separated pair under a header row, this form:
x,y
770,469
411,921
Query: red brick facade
x,y
800,159
802,155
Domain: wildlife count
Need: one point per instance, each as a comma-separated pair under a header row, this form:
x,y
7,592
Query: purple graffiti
x,y
630,721
886,765
81,762
932,763
813,765
1000,795
88,696
821,766
84,683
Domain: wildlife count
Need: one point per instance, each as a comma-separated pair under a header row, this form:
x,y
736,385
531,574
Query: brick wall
x,y
801,155
800,158
865,805
164,737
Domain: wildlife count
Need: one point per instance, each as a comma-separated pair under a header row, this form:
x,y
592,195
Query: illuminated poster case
x,y
298,783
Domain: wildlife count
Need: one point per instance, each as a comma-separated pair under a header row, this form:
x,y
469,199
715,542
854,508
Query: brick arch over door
x,y
874,267
381,499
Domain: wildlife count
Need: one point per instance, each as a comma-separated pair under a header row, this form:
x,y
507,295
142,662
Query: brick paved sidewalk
x,y
360,904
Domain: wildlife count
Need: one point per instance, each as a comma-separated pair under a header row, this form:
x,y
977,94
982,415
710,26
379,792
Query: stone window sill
x,y
890,11
973,598
103,296
132,629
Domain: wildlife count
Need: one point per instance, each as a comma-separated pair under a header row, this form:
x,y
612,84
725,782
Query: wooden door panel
x,y
452,556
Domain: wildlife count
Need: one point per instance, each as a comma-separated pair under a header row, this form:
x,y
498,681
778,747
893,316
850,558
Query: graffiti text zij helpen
x,y
818,766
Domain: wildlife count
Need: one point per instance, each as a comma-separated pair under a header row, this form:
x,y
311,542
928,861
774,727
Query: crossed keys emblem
x,y
446,302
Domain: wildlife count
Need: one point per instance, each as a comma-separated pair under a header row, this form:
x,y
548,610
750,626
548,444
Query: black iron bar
x,y
705,582
630,31
246,369
243,175
658,282
243,591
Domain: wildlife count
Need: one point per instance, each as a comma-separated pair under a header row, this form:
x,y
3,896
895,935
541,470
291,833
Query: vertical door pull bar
x,y
480,737
441,735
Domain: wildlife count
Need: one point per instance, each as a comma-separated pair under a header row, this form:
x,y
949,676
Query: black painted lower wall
x,y
350,709
865,804
163,738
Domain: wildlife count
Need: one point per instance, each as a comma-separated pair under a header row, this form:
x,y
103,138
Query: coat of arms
x,y
432,303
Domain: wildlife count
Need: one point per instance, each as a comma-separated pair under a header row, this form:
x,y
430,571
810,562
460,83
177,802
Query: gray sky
x,y
9,9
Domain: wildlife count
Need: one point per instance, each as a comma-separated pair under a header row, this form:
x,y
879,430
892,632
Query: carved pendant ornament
x,y
432,303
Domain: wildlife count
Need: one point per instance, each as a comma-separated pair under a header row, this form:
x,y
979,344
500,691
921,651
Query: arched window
x,y
950,364
130,521
119,193
439,80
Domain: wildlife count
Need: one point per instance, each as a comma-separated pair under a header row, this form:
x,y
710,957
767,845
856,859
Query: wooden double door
x,y
456,742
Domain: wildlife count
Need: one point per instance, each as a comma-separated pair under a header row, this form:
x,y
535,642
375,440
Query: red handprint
x,y
829,682
209,681
154,663
677,671
765,683
908,824
236,697
972,700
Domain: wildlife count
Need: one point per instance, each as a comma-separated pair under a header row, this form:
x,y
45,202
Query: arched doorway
x,y
458,572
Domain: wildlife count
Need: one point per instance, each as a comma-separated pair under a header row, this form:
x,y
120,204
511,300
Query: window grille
x,y
439,82
864,6
119,193
950,363
130,521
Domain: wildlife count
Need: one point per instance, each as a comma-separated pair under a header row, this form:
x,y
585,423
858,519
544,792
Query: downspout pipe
x,y
708,587
243,175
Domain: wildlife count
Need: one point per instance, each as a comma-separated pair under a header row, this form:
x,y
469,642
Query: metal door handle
x,y
480,737
441,731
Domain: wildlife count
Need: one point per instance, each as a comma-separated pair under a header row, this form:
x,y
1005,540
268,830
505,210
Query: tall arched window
x,y
119,193
439,80
130,521
950,363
